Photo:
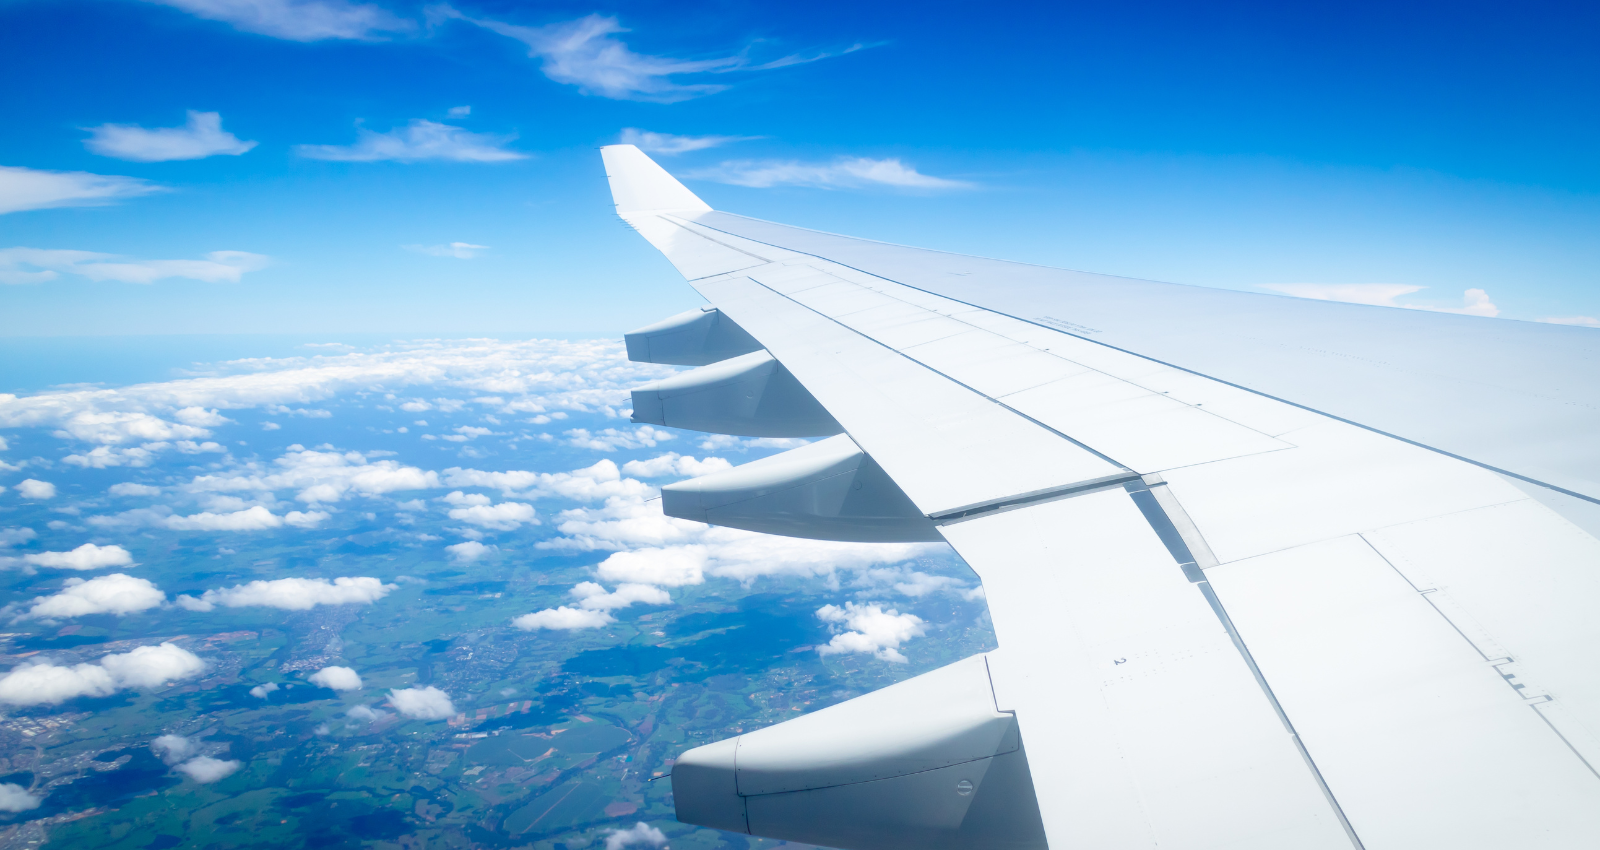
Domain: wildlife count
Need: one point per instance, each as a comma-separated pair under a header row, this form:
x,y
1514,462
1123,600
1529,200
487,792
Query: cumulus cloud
x,y
603,480
249,519
10,537
201,137
128,488
466,553
320,476
418,141
672,463
207,769
298,20
909,582
505,516
15,798
639,833
427,703
668,144
85,557
144,667
367,714
458,250
869,629
37,265
33,488
593,596
673,566
611,439
846,172
117,593
1476,301
291,594
563,619
1581,321
173,749
261,691
24,189
337,678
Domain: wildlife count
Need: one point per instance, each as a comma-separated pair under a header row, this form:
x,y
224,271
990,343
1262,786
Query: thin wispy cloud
x,y
38,265
1475,301
458,250
24,189
1580,321
201,137
299,20
418,141
586,53
668,144
850,172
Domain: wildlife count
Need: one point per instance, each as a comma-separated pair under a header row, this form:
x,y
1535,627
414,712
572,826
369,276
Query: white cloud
x,y
117,593
15,536
593,596
291,594
563,619
261,691
144,667
200,417
846,172
249,519
466,553
85,557
459,250
870,630
24,189
201,137
1476,301
15,798
367,714
610,439
674,566
459,111
601,481
306,519
298,20
37,265
428,703
672,463
320,476
639,833
505,516
1581,321
128,488
337,678
418,141
207,769
173,749
33,488
911,582
668,144
153,666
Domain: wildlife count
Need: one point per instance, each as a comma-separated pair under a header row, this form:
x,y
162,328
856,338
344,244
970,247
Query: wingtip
x,y
640,184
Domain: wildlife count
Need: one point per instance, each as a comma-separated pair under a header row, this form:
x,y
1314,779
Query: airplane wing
x,y
1264,572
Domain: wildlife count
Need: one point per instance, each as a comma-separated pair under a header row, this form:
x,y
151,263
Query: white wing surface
x,y
1264,572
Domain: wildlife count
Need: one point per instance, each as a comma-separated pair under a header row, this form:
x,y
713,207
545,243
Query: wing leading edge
x,y
1252,587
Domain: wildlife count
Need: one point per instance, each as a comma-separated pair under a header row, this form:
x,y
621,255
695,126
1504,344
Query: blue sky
x,y
344,158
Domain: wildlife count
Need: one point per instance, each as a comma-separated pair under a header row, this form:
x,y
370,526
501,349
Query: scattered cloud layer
x,y
667,144
611,439
144,667
1476,301
291,594
39,265
117,593
594,597
427,703
418,141
869,629
674,464
639,833
23,189
847,172
299,20
1580,321
201,137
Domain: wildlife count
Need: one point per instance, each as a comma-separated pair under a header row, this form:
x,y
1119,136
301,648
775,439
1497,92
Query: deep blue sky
x,y
1440,146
